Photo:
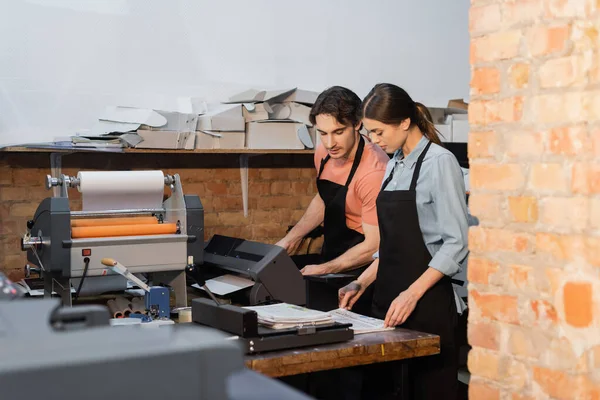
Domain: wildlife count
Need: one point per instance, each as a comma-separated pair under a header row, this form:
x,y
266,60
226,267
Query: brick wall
x,y
534,150
280,189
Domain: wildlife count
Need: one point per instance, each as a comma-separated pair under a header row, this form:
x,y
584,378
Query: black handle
x,y
194,272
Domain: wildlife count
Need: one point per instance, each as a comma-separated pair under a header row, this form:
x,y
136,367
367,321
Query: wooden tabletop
x,y
368,348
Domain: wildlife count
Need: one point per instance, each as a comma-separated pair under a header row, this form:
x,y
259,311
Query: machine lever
x,y
122,270
196,275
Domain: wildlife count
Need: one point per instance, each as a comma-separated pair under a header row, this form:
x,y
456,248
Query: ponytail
x,y
391,105
425,123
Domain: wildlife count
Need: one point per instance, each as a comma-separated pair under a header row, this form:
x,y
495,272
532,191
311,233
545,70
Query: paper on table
x,y
284,316
360,323
226,284
121,190
289,313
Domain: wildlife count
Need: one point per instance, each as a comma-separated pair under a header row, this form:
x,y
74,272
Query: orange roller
x,y
122,230
114,221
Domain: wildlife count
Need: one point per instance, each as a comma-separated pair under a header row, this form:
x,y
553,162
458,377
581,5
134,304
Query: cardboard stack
x,y
452,122
143,128
147,128
177,133
221,127
252,119
277,119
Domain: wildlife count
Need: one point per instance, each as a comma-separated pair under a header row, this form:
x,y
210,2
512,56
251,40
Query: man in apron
x,y
349,173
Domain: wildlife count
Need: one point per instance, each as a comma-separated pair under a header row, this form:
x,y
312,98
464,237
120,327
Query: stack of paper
x,y
360,323
283,315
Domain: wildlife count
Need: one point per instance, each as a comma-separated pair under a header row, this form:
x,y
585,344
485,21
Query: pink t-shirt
x,y
365,185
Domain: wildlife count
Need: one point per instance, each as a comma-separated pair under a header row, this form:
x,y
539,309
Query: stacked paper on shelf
x,y
284,315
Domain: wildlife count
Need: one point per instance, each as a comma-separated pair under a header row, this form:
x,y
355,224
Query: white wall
x,y
62,61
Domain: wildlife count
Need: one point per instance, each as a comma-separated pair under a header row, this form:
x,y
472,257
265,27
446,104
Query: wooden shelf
x,y
23,149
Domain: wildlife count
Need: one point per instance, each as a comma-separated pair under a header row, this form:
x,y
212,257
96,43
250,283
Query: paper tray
x,y
265,331
284,339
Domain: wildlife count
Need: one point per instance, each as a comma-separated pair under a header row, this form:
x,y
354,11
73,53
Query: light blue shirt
x,y
441,203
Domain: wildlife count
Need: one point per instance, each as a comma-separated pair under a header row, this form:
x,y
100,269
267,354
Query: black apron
x,y
322,292
403,258
338,238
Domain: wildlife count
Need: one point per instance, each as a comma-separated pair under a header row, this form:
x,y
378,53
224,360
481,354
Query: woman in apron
x,y
423,229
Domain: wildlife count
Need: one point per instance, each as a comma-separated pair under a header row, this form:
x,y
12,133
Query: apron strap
x,y
413,183
389,178
323,161
357,157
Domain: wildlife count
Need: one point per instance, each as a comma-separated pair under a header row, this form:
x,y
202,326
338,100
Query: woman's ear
x,y
405,125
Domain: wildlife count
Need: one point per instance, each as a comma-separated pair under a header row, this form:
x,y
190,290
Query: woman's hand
x,y
349,294
401,308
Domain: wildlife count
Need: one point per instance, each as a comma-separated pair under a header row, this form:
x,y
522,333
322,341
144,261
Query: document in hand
x,y
360,323
284,315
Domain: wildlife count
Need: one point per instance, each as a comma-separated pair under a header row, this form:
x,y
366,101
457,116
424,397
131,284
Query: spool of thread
x,y
185,315
122,230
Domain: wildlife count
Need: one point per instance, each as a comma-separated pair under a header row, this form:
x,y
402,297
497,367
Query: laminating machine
x,y
124,217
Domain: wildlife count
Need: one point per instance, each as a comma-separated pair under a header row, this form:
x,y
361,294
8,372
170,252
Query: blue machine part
x,y
143,317
157,302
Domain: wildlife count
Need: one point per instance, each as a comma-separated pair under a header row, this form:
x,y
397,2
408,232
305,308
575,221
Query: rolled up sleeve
x,y
451,211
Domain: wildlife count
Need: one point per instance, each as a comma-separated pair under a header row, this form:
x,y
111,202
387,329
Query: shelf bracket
x,y
244,158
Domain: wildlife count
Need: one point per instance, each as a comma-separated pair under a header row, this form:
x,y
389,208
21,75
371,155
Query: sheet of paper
x,y
360,323
289,313
226,284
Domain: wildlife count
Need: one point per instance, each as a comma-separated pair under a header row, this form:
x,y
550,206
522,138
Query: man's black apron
x,y
338,238
403,258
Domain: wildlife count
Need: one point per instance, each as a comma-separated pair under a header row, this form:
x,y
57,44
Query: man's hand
x,y
349,294
318,269
401,308
290,245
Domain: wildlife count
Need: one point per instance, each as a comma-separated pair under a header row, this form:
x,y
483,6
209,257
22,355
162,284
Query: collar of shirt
x,y
413,156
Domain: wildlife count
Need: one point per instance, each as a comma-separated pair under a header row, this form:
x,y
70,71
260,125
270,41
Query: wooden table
x,y
368,348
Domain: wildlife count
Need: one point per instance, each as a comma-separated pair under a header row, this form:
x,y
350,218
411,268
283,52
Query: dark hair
x,y
341,103
391,105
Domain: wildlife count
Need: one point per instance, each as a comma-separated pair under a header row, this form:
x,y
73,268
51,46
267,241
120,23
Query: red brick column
x,y
534,149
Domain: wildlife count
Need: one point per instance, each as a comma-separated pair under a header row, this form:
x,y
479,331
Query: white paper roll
x,y
121,190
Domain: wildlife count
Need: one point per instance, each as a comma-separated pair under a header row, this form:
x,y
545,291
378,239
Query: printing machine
x,y
176,240
276,279
275,276
64,258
